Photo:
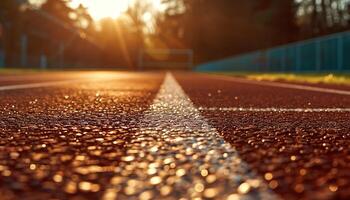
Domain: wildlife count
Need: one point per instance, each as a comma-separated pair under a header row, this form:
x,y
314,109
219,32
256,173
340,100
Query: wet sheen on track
x,y
48,77
119,136
302,155
64,142
175,154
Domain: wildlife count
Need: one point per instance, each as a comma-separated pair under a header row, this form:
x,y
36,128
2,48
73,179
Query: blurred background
x,y
258,35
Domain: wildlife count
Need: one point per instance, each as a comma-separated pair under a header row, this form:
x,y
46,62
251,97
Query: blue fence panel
x,y
291,58
329,53
253,61
263,61
2,58
276,59
308,56
346,52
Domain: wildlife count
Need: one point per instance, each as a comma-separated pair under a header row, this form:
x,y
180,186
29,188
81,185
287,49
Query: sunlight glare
x,y
100,9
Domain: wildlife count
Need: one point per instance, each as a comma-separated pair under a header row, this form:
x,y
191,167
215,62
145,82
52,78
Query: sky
x,y
99,9
103,8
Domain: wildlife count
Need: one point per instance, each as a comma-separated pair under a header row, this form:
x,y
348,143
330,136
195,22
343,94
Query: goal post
x,y
179,59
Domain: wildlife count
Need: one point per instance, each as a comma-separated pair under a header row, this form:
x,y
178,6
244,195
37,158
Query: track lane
x,y
175,154
64,141
227,93
52,77
302,155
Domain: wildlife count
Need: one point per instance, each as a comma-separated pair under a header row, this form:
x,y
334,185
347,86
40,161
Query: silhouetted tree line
x,y
319,17
214,29
62,36
220,28
52,35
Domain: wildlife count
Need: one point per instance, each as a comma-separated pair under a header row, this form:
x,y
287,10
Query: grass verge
x,y
326,78
15,71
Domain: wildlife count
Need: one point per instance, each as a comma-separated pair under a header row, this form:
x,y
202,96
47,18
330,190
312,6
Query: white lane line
x,y
298,110
176,154
19,77
282,85
37,85
93,78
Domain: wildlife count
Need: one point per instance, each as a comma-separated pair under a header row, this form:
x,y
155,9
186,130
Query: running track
x,y
121,135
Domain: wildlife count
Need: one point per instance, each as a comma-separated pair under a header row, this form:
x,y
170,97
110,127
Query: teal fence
x,y
2,58
324,54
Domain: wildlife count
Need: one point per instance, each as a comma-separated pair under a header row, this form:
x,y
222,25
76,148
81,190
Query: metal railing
x,y
323,54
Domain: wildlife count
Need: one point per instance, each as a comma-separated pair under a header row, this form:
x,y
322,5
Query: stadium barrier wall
x,y
2,58
323,54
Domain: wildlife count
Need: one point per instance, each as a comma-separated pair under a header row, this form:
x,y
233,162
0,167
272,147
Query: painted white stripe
x,y
299,110
282,85
37,85
10,78
176,153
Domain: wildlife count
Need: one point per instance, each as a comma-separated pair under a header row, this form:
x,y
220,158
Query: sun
x,y
100,9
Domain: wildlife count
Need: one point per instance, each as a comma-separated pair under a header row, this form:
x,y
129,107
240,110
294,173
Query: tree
x,y
215,29
83,19
319,17
279,20
60,10
10,21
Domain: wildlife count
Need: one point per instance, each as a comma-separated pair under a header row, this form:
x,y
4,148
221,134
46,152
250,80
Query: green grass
x,y
15,71
19,71
329,78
